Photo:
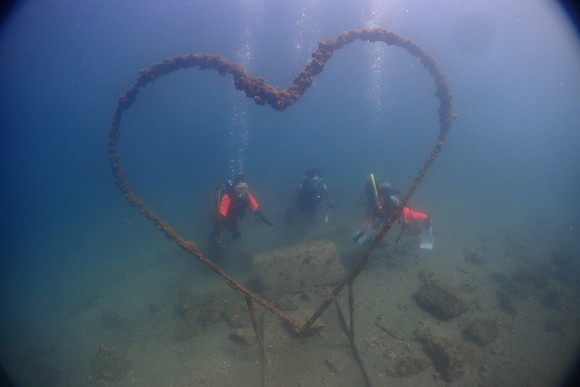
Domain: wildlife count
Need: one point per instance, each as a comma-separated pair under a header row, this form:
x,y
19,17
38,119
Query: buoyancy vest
x,y
310,190
227,204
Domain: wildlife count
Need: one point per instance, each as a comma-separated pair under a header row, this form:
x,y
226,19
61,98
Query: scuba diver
x,y
233,199
381,201
309,193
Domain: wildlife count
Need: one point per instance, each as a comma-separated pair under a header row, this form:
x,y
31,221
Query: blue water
x,y
511,163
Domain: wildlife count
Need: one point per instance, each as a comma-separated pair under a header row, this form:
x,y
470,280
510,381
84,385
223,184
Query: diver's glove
x,y
263,218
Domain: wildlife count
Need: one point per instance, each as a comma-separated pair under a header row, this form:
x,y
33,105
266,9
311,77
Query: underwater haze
x,y
93,293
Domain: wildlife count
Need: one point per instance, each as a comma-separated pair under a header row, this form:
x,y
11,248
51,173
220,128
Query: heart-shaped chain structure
x,y
263,93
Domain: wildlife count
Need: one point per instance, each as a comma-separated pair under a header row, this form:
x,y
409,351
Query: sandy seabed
x,y
168,324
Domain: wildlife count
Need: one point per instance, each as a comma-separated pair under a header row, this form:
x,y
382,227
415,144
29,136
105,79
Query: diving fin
x,y
359,237
427,238
363,237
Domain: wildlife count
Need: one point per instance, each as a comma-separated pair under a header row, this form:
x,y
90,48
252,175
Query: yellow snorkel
x,y
376,193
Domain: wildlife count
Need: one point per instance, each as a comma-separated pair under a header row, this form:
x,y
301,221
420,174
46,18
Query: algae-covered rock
x,y
444,353
243,336
409,366
443,302
482,331
295,269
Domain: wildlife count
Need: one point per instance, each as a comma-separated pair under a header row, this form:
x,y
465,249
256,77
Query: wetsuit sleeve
x,y
410,217
257,211
253,203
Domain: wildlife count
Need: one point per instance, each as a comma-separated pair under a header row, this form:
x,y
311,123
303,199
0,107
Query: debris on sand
x,y
443,302
482,331
445,355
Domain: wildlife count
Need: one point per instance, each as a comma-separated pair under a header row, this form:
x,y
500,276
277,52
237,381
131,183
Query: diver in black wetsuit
x,y
309,193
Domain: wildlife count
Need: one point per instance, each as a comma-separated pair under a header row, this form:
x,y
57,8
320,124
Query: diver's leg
x,y
398,240
215,237
311,214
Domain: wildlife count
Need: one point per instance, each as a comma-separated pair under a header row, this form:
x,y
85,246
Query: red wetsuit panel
x,y
253,202
225,205
410,215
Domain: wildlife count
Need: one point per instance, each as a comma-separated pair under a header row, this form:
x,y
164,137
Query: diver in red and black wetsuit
x,y
233,200
382,200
